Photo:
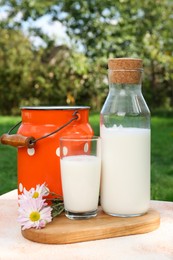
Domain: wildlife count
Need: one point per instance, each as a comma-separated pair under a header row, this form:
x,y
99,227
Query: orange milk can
x,y
37,140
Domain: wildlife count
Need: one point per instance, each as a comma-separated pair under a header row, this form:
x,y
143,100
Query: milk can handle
x,y
18,140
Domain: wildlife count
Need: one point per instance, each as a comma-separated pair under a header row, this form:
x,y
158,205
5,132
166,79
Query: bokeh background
x,y
56,52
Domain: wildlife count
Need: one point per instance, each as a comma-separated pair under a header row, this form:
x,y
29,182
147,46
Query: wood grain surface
x,y
64,231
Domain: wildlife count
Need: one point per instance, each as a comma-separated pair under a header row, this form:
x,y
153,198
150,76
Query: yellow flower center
x,y
35,195
34,216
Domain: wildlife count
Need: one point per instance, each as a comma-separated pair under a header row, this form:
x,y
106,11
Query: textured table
x,y
156,245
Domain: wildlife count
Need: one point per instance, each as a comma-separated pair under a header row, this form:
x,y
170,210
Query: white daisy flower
x,y
34,214
39,192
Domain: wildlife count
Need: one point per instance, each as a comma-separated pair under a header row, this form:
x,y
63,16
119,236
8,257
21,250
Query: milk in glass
x,y
81,181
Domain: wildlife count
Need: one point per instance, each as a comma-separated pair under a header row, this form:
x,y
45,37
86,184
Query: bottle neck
x,y
127,88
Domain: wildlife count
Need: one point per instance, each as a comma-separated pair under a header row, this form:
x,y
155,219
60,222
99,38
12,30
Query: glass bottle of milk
x,y
125,132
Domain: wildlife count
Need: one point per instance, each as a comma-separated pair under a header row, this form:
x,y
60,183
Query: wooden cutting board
x,y
64,231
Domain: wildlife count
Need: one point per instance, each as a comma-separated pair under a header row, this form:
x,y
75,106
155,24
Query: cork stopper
x,y
125,70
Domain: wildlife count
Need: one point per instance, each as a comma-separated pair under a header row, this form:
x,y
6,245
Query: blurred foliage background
x,y
69,67
74,72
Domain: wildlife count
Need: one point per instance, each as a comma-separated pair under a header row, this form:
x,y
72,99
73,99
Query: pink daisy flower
x,y
34,214
39,192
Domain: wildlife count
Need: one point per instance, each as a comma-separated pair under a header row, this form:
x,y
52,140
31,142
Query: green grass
x,y
8,157
161,156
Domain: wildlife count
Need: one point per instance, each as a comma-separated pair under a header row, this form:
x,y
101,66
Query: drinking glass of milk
x,y
80,174
125,133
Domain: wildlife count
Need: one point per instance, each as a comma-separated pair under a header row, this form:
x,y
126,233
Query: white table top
x,y
156,245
